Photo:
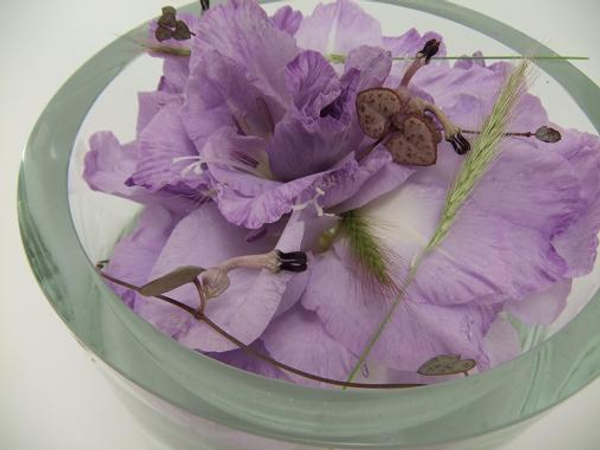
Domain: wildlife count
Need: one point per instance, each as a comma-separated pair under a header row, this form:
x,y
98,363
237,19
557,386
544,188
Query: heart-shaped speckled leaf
x,y
414,144
374,108
172,280
446,365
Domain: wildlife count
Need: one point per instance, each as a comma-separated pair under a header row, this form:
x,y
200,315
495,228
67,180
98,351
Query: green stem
x,y
388,316
338,58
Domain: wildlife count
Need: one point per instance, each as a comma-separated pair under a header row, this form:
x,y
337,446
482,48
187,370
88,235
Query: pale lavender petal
x,y
150,103
417,332
250,363
578,245
338,28
373,64
542,307
500,243
287,19
501,342
134,255
242,31
579,242
299,339
382,181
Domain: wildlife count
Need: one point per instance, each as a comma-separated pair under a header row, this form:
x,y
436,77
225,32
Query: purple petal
x,y
579,242
220,93
303,146
417,332
313,83
502,342
205,239
250,363
150,103
135,254
542,307
242,31
287,19
299,339
383,179
373,64
109,166
167,154
338,28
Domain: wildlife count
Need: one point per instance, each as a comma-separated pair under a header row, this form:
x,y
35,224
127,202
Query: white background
x,y
51,395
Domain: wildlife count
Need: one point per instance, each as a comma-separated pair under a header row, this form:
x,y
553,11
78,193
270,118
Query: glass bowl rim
x,y
584,92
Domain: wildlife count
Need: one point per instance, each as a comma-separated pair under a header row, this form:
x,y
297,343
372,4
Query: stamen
x,y
215,280
313,201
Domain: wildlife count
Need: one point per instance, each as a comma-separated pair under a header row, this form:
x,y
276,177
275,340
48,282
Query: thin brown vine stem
x,y
199,315
523,134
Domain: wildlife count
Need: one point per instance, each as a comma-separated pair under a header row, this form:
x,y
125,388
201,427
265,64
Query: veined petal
x,y
242,31
299,339
417,332
250,363
338,28
221,93
134,255
166,154
542,307
109,166
287,19
205,239
313,83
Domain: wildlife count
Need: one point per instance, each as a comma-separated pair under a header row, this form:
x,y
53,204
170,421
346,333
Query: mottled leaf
x,y
547,134
446,365
172,280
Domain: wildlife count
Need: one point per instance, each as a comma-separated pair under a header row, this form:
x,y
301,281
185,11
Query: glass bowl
x,y
192,401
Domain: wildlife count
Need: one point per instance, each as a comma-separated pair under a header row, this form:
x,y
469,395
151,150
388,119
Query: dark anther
x,y
182,31
205,4
459,144
430,49
292,261
163,34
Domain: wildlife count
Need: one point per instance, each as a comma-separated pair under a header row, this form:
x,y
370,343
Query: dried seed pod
x,y
163,34
415,143
168,10
446,365
374,108
548,134
167,20
182,31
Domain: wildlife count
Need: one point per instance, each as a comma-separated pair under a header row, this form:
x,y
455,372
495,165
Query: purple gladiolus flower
x,y
251,144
